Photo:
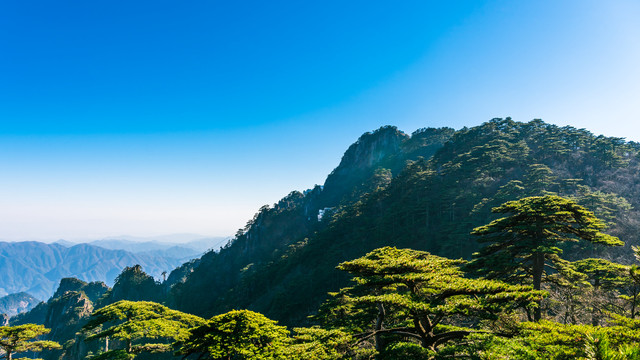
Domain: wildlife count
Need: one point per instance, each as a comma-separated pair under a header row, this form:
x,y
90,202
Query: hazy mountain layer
x,y
14,304
37,268
174,246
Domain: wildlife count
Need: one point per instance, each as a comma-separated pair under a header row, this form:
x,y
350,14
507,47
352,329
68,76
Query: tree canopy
x,y
142,326
412,294
525,245
21,338
238,334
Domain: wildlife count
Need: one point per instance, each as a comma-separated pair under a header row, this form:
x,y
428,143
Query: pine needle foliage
x,y
238,334
412,294
21,338
524,246
141,325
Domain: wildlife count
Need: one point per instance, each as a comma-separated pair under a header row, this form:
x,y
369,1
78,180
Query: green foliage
x,y
524,245
113,355
238,334
406,350
135,285
132,322
21,338
412,294
603,274
607,206
555,341
598,347
316,343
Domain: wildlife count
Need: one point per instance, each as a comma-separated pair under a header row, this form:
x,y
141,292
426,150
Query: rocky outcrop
x,y
4,320
360,161
385,148
67,314
93,290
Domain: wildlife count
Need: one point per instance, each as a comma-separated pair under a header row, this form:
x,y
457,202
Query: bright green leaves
x,y
240,334
20,338
603,274
535,225
412,293
524,245
131,321
321,344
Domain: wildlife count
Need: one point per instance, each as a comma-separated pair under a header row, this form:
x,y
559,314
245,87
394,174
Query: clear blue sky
x,y
155,117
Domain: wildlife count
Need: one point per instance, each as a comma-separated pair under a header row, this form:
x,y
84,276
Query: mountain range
x,y
426,191
37,268
15,304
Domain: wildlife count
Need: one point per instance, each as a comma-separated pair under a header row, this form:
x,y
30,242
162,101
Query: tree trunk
x,y
538,269
379,323
595,318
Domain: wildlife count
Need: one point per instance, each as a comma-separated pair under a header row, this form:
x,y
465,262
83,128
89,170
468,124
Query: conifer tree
x,y
238,334
602,275
411,294
141,325
20,338
524,246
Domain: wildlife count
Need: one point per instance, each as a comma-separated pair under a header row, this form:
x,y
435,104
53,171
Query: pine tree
x,y
411,294
20,338
238,334
524,246
141,325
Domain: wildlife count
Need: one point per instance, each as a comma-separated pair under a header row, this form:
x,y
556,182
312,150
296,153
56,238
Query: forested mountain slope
x,y
426,191
368,164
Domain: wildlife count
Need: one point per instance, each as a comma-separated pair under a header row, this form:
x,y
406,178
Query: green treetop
x,y
411,293
524,245
137,323
603,274
238,334
18,339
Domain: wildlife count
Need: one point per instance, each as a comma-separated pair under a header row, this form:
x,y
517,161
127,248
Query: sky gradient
x,y
156,117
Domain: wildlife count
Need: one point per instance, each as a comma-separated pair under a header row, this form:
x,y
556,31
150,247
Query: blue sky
x,y
156,117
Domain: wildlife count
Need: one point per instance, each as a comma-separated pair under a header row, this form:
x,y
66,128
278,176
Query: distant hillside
x,y
15,304
174,246
37,268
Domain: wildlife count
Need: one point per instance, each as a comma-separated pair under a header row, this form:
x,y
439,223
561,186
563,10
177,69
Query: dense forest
x,y
505,240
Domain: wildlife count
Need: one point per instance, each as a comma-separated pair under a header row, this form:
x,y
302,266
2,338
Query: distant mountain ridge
x,y
15,304
37,268
194,247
